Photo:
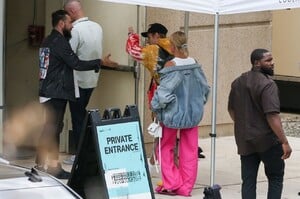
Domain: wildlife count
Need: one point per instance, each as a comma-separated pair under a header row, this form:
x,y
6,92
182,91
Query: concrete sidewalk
x,y
227,171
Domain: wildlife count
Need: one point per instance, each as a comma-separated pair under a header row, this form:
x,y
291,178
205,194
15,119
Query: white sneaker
x,y
69,160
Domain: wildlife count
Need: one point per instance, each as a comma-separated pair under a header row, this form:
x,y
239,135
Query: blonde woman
x,y
178,104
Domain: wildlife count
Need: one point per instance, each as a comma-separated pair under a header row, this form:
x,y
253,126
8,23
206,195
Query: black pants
x,y
48,146
78,113
274,170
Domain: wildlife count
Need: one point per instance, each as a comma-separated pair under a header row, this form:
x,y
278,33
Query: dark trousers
x,y
78,112
48,145
274,170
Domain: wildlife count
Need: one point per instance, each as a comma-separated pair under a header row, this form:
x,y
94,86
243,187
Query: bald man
x,y
86,42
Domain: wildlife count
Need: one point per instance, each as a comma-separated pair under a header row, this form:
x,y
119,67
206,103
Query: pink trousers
x,y
179,178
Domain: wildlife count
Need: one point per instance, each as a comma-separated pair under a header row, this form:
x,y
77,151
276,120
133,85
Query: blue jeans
x,y
274,170
78,113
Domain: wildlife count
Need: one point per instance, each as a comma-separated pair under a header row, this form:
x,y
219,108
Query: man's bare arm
x,y
274,121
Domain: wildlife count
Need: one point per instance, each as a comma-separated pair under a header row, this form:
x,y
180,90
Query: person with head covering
x,y
154,55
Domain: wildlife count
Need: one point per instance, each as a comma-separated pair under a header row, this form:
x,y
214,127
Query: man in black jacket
x,y
56,87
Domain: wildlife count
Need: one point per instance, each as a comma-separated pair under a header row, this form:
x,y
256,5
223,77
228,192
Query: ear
x,y
72,10
61,24
256,63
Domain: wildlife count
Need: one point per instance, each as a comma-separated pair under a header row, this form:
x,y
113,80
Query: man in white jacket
x,y
86,42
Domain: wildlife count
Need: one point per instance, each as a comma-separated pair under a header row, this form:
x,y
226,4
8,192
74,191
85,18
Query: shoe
x,y
40,168
69,160
200,149
167,192
163,191
200,155
58,172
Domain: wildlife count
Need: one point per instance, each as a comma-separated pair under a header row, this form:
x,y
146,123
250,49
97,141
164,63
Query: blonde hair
x,y
179,40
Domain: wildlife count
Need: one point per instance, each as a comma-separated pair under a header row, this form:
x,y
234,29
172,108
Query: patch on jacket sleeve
x,y
44,61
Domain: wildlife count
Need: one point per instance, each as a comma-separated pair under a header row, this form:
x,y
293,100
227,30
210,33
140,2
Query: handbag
x,y
154,129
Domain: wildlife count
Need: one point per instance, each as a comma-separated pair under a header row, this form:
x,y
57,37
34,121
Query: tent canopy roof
x,y
215,6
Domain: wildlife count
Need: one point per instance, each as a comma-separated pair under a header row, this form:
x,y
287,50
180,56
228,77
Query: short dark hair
x,y
257,55
57,16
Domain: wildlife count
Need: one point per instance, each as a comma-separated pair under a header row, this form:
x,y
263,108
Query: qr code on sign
x,y
126,177
122,178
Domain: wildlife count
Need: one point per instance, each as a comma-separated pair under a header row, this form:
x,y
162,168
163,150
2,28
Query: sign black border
x,y
88,149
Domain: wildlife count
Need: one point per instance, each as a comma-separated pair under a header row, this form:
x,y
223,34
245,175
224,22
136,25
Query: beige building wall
x,y
285,42
115,88
20,69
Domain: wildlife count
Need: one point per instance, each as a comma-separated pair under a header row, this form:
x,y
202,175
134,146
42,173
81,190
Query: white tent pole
x,y
186,23
214,103
136,65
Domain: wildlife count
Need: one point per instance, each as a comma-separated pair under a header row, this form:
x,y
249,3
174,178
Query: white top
x,y
186,61
86,42
44,99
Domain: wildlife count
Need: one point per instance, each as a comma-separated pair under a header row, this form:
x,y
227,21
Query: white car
x,y
17,182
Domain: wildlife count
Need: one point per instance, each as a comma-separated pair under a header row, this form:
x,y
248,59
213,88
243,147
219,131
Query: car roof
x,y
15,183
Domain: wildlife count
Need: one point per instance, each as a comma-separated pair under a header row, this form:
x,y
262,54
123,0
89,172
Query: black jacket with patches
x,y
56,71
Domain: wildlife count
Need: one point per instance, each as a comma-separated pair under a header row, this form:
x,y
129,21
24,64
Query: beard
x,y
267,71
67,34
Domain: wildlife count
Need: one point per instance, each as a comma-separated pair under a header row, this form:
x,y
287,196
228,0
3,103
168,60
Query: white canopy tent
x,y
215,7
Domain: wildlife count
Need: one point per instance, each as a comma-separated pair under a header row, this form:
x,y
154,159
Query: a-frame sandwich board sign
x,y
111,161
